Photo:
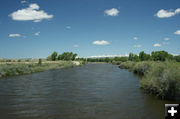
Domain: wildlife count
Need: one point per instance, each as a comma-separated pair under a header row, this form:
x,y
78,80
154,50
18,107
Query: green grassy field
x,y
161,79
20,68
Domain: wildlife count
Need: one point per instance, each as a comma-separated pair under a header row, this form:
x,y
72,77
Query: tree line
x,y
142,56
64,56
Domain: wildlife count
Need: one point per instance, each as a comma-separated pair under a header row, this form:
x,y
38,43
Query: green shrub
x,y
127,65
141,68
163,80
40,61
19,69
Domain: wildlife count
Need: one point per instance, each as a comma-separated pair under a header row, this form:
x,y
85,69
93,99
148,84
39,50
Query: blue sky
x,y
36,28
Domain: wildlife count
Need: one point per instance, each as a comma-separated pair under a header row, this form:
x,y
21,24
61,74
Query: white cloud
x,y
103,42
68,27
167,13
76,46
135,38
32,13
177,32
112,12
157,45
23,1
137,46
14,35
38,20
37,33
166,39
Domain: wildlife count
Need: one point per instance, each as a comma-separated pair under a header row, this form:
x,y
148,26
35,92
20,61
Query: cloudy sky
x,y
36,28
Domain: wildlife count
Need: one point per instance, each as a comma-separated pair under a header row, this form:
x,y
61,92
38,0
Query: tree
x,y
54,56
144,57
40,62
60,57
67,56
170,57
74,56
133,57
80,59
49,58
107,59
159,55
116,58
122,59
177,58
136,58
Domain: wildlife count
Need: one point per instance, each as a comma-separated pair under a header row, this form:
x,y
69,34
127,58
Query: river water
x,y
93,91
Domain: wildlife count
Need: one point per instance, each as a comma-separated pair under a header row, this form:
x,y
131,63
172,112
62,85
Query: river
x,y
93,91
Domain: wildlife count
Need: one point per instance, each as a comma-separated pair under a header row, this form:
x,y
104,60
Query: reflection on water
x,y
94,91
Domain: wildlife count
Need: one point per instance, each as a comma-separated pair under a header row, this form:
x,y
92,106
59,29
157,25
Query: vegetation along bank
x,y
19,67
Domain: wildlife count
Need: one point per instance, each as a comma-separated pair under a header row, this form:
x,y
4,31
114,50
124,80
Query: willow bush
x,y
161,79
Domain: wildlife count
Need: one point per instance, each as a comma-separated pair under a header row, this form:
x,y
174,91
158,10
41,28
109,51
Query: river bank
x,y
21,68
161,79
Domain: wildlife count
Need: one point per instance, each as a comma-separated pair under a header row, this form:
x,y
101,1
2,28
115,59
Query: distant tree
x,y
40,62
54,56
160,55
49,58
116,58
67,56
107,59
177,58
8,60
89,59
143,56
60,57
95,59
136,58
101,60
80,59
123,59
74,56
170,57
133,57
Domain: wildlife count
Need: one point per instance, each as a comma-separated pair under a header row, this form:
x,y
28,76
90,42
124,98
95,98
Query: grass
x,y
161,79
14,69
